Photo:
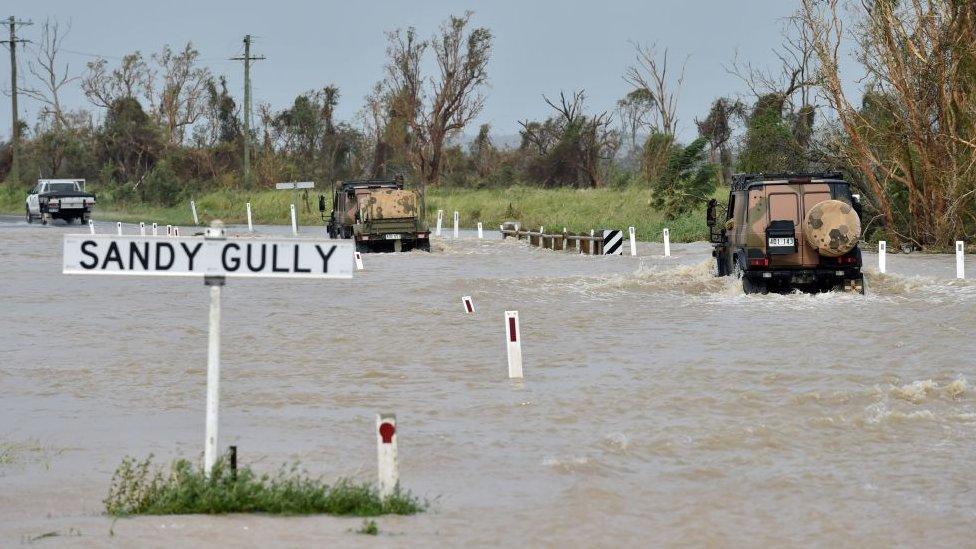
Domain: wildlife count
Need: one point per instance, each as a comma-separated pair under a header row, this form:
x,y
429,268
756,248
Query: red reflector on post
x,y
511,328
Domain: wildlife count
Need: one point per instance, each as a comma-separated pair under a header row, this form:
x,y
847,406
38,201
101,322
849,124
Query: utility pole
x,y
247,105
12,23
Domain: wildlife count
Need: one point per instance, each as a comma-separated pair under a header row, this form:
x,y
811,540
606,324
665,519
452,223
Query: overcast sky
x,y
540,47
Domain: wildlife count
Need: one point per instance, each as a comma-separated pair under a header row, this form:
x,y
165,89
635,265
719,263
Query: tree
x,y
570,148
129,141
48,71
913,138
650,76
717,129
438,107
635,110
688,180
103,88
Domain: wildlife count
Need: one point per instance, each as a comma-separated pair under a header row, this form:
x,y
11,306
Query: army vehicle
x,y
780,232
379,214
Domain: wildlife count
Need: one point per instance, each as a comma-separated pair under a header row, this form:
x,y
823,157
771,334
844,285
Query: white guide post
x,y
513,339
440,220
882,252
176,231
667,243
118,227
193,207
169,230
960,259
142,229
481,233
633,241
456,218
91,226
250,225
468,305
359,261
592,234
216,232
386,454
155,229
294,221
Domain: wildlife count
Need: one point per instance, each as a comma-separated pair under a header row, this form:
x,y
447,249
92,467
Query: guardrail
x,y
565,241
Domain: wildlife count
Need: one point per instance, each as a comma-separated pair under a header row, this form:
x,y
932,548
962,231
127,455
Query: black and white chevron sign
x,y
612,242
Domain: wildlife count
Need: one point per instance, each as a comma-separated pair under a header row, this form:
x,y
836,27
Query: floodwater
x,y
660,405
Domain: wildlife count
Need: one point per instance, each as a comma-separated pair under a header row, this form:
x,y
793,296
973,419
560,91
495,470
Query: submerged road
x,y
659,404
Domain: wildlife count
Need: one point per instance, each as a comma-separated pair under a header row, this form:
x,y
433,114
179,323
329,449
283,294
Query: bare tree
x,y
46,68
635,110
103,87
181,97
650,74
438,107
572,147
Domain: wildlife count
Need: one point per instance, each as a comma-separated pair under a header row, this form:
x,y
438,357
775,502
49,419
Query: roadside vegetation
x,y
163,128
140,488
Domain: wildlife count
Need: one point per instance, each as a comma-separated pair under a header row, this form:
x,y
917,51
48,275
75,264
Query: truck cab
x,y
379,214
788,231
64,199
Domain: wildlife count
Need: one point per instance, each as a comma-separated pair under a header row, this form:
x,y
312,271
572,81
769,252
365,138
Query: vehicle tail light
x,y
364,237
759,262
847,259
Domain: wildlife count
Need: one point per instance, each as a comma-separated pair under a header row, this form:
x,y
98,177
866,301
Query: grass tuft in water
x,y
139,488
368,528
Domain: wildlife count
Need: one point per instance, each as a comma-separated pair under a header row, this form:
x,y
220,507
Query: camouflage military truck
x,y
380,215
780,232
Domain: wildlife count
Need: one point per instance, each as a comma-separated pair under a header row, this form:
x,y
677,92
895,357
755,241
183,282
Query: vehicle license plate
x,y
393,237
781,242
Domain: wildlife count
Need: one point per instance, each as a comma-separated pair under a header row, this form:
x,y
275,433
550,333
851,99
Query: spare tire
x,y
832,227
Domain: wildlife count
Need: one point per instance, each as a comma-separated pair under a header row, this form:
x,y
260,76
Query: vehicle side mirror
x,y
710,212
322,203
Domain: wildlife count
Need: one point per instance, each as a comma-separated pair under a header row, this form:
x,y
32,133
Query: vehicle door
x,y
32,200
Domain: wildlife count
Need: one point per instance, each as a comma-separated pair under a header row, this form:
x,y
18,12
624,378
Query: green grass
x,y
579,210
139,488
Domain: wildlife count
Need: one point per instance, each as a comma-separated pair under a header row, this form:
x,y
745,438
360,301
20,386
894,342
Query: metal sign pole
x,y
213,360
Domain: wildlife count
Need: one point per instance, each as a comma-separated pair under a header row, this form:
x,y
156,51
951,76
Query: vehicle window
x,y
812,199
61,187
783,206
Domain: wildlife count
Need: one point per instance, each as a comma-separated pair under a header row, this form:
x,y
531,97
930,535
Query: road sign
x,y
194,256
295,185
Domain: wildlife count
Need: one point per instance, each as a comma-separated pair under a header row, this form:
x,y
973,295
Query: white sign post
x,y
359,261
633,241
440,219
960,259
468,305
214,258
513,338
294,186
667,243
882,252
250,226
193,207
142,229
91,226
456,218
294,222
481,233
155,229
386,454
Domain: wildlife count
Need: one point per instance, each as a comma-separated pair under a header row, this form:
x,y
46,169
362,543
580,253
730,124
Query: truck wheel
x,y
749,286
30,218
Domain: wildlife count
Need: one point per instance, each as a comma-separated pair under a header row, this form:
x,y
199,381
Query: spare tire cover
x,y
832,227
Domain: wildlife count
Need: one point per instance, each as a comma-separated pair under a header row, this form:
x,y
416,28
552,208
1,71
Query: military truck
x,y
379,214
780,232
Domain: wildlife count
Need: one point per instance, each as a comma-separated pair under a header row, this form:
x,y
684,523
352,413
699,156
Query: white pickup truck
x,y
59,199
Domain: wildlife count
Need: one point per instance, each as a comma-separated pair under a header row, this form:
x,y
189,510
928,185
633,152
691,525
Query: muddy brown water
x,y
660,404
